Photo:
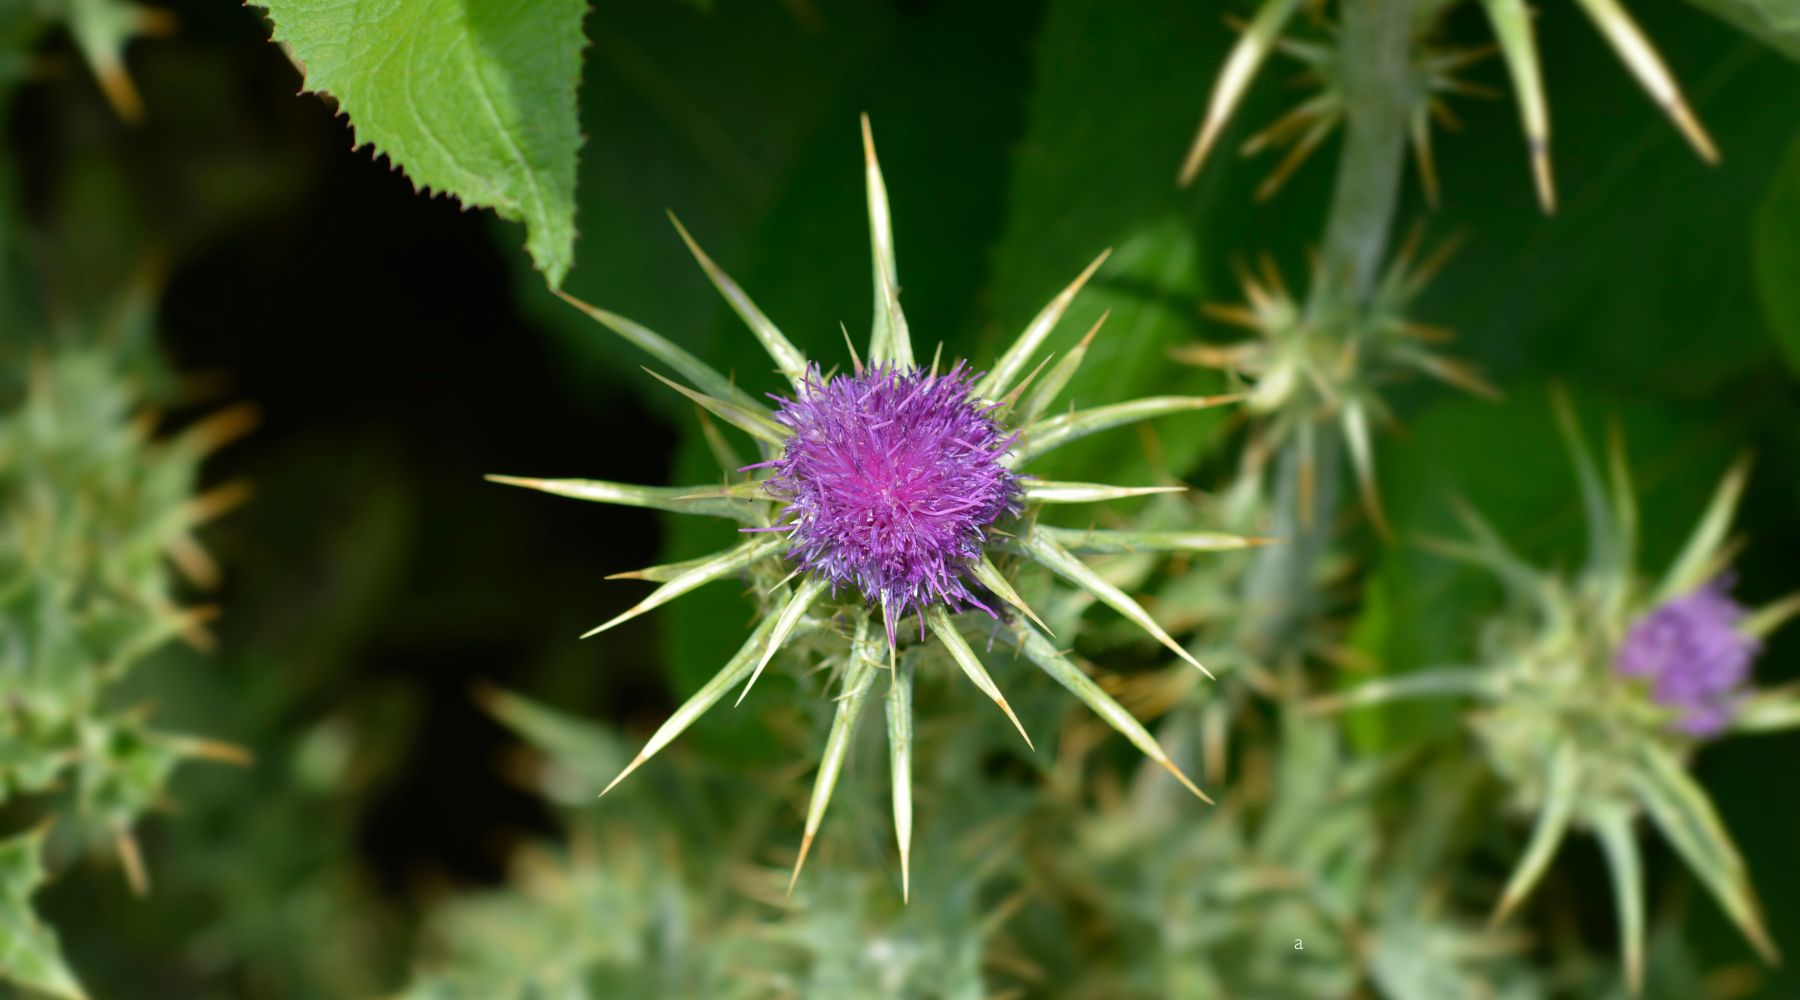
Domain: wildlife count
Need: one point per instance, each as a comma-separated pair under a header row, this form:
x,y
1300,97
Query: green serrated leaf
x,y
473,98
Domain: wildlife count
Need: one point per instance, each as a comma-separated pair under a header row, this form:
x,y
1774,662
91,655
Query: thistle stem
x,y
1378,85
1281,592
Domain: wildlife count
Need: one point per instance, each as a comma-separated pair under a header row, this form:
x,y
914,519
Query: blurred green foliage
x,y
401,833
99,511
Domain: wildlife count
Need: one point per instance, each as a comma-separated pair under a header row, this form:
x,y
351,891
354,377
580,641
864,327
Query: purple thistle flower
x,y
1693,655
891,479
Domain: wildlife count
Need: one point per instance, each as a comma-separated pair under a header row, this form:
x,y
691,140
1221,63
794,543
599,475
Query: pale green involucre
x,y
472,98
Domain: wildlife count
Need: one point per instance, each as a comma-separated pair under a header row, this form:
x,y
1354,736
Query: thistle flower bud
x,y
1692,652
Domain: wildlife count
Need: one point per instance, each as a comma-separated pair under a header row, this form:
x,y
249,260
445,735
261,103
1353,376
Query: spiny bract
x,y
892,482
1434,76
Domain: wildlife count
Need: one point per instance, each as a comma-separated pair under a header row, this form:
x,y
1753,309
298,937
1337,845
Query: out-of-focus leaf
x,y
472,98
1686,258
583,756
1074,148
1776,252
1776,22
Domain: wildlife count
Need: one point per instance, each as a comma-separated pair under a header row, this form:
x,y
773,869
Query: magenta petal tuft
x,y
1692,653
891,479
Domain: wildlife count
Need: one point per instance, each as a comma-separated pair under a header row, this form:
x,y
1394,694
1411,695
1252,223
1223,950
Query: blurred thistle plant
x,y
1567,719
1434,75
1296,886
624,909
1327,361
893,491
1432,79
94,511
100,29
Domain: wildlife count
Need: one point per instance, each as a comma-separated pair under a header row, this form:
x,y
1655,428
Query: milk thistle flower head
x,y
894,491
1568,721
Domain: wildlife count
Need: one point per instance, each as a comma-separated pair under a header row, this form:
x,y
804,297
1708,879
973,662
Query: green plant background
x,y
400,347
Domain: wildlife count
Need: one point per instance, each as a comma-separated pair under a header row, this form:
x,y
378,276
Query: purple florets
x,y
1693,655
891,480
